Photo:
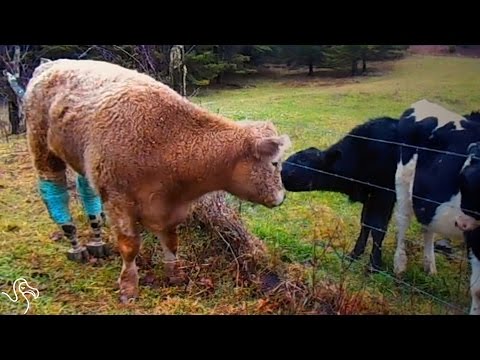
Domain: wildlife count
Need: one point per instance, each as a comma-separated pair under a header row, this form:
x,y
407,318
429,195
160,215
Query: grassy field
x,y
314,112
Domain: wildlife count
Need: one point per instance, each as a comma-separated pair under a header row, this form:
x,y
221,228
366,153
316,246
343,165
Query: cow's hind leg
x,y
92,205
52,185
52,180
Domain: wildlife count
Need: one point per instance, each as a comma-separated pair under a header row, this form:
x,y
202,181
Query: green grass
x,y
314,112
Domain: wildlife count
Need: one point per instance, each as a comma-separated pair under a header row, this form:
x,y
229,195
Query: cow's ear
x,y
271,147
473,150
332,156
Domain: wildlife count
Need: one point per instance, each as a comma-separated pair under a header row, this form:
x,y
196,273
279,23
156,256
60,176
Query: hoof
x,y
353,256
375,265
430,270
78,255
128,294
98,249
374,269
174,275
400,263
177,280
125,299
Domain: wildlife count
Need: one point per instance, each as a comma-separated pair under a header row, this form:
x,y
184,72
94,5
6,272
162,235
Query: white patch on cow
x,y
425,108
168,255
475,285
464,221
443,221
449,212
467,162
429,264
467,223
404,177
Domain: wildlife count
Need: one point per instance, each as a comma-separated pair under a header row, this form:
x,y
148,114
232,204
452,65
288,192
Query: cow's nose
x,y
462,226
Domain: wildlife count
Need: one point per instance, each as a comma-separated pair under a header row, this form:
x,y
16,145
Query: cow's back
x,y
85,104
436,182
80,83
371,151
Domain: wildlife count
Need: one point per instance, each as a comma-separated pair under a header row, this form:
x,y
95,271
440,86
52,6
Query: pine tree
x,y
309,55
349,56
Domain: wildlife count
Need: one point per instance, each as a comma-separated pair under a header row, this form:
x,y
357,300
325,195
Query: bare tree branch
x,y
189,50
86,51
131,56
16,61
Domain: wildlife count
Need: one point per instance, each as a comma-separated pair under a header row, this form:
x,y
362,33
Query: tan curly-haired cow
x,y
145,150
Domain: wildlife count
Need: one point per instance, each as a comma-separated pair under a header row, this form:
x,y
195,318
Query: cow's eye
x,y
275,164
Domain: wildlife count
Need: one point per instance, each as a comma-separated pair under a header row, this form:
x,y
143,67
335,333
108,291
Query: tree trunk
x,y
364,67
354,67
16,119
310,69
15,95
177,69
13,115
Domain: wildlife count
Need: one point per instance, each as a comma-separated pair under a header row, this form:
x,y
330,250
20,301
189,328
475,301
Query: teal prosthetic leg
x,y
92,205
56,199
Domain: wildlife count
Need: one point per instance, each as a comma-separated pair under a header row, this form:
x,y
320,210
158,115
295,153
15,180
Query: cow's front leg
x,y
128,281
162,220
475,285
121,213
169,242
429,263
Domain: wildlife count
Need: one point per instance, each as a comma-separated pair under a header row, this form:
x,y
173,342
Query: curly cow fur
x,y
147,151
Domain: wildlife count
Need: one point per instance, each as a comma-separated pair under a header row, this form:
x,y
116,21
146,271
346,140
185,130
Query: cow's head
x,y
256,175
310,169
469,219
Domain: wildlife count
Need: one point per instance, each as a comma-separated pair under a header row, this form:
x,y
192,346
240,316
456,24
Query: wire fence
x,y
461,258
348,265
350,270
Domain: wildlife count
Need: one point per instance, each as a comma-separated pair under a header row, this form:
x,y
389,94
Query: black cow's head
x,y
310,169
470,190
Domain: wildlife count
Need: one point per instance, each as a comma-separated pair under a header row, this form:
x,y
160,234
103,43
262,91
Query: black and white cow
x,y
436,185
354,156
